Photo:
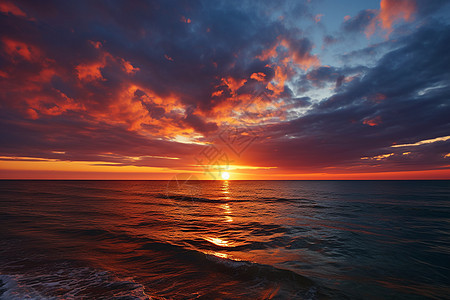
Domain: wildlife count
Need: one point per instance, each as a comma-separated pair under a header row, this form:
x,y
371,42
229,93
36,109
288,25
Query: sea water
x,y
185,239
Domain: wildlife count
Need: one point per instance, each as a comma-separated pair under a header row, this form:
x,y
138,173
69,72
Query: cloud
x,y
372,121
390,13
322,75
200,125
318,17
129,83
145,72
429,141
386,106
17,49
329,40
360,22
7,7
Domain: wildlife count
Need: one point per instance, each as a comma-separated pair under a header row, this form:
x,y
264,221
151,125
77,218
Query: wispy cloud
x,y
423,142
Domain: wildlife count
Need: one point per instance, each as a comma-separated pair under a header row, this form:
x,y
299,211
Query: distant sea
x,y
224,239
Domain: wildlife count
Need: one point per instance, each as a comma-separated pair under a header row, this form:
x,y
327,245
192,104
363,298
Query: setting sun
x,y
225,175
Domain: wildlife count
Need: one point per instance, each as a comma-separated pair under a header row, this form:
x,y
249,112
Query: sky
x,y
314,89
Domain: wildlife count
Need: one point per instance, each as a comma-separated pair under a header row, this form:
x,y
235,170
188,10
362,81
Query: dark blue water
x,y
224,239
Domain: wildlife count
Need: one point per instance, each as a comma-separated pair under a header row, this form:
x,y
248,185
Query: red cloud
x,y
168,57
20,49
97,45
90,72
9,8
51,104
373,122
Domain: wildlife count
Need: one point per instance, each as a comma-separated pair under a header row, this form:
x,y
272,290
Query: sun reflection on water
x,y
227,211
218,241
225,189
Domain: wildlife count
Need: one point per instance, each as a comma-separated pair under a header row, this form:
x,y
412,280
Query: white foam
x,y
68,284
12,290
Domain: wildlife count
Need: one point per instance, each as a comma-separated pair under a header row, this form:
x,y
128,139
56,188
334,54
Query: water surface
x,y
224,239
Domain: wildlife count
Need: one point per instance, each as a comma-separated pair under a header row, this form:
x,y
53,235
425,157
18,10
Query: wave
x,y
176,265
193,198
70,283
181,197
288,282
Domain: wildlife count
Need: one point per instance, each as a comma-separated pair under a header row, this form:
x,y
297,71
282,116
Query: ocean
x,y
186,239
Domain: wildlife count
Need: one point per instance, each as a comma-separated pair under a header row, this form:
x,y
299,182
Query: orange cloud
x,y
90,72
258,76
128,67
303,59
37,98
279,79
142,110
269,53
33,95
297,54
306,60
217,93
127,110
135,112
391,11
233,84
249,109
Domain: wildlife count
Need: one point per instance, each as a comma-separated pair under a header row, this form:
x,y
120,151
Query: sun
x,y
225,175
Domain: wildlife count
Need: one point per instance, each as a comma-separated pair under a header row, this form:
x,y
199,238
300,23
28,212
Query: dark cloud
x,y
199,124
329,40
405,95
426,8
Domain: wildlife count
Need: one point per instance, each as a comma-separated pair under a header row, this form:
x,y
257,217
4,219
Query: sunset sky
x,y
259,89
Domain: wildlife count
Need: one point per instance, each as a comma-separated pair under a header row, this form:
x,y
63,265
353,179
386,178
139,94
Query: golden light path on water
x,y
225,190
